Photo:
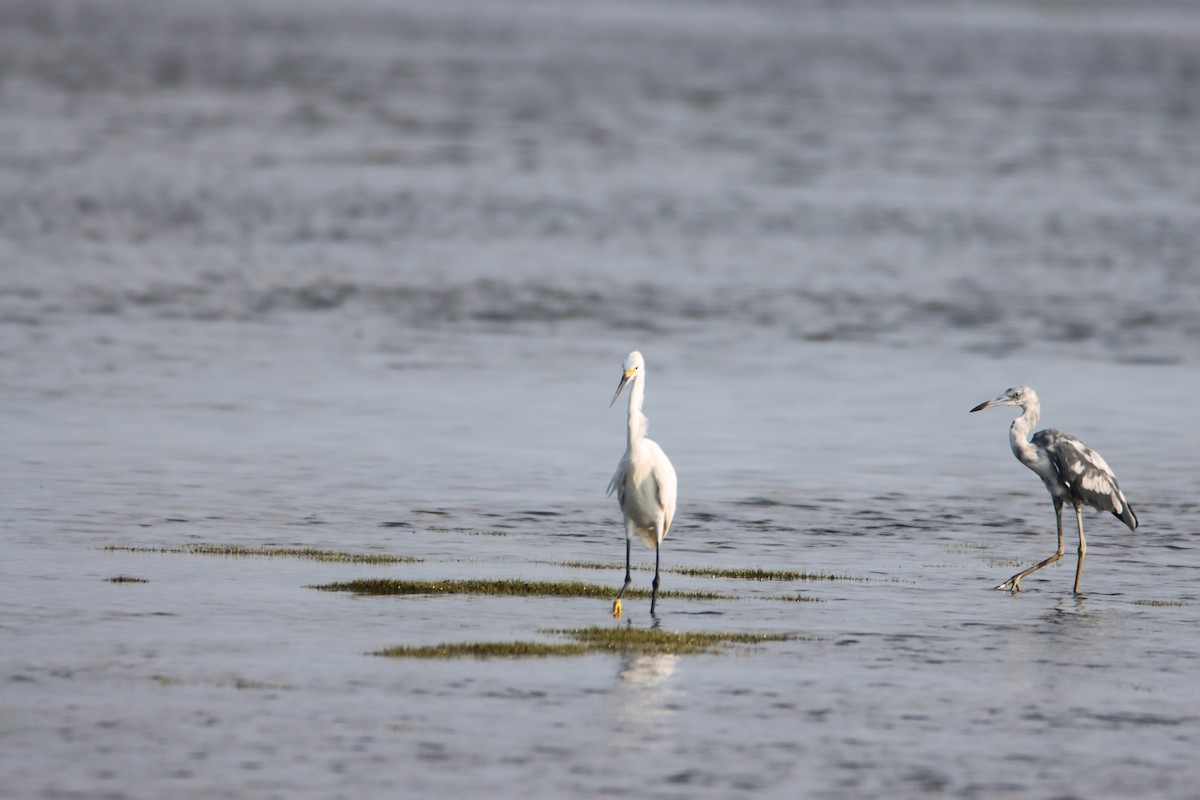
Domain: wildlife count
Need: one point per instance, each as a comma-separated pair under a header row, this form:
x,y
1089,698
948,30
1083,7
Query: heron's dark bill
x,y
982,406
620,386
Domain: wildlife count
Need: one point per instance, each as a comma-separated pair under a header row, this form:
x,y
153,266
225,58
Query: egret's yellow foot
x,y
617,607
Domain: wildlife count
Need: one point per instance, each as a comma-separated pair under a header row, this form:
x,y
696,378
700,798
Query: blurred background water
x,y
361,275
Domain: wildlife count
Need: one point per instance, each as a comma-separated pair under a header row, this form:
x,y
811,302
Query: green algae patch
x,y
503,587
470,531
126,579
485,650
742,574
655,641
592,565
245,684
799,598
241,684
757,574
625,640
1159,603
312,554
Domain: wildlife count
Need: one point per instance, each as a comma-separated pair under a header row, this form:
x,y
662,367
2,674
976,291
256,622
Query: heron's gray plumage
x,y
1085,474
1071,471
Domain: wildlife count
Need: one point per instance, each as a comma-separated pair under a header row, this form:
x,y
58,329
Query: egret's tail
x,y
648,537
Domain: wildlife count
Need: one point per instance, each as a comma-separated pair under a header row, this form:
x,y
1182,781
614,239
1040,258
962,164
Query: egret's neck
x,y
1018,434
637,421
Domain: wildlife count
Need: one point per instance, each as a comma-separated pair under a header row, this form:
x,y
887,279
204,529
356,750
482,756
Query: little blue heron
x,y
1071,470
644,480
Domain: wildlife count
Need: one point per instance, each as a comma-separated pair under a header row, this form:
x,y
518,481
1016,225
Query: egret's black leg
x,y
1082,545
654,590
1014,582
628,580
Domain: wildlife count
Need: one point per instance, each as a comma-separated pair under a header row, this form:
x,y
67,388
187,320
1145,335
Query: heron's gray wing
x,y
1086,474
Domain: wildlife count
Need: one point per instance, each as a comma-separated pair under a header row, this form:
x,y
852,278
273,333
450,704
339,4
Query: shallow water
x,y
281,274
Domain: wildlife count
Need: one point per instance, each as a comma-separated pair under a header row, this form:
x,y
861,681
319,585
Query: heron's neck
x,y
637,421
1018,434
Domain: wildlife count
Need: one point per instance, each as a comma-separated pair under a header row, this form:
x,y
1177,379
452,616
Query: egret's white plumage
x,y
1071,471
644,481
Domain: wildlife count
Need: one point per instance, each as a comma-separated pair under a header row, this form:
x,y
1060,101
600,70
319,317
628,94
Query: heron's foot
x,y
1013,583
617,608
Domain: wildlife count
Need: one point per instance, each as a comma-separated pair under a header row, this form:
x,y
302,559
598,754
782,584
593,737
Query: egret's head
x,y
1016,396
630,369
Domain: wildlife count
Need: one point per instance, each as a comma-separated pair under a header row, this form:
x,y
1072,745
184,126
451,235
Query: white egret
x,y
644,481
1071,470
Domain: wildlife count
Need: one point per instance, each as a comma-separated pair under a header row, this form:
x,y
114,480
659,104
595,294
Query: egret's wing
x,y
618,480
1086,474
665,482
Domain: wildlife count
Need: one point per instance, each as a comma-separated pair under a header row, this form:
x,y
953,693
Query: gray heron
x,y
1072,472
644,481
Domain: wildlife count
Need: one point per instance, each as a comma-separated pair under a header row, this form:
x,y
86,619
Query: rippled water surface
x,y
360,277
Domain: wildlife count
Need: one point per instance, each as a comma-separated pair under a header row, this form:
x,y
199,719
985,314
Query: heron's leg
x,y
654,589
628,580
1082,545
1014,582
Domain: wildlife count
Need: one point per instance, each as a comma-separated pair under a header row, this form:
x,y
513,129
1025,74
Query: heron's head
x,y
1016,396
630,369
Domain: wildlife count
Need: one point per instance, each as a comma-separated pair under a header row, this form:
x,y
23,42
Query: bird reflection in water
x,y
649,700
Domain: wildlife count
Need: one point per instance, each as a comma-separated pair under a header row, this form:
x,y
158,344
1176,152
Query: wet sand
x,y
361,277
